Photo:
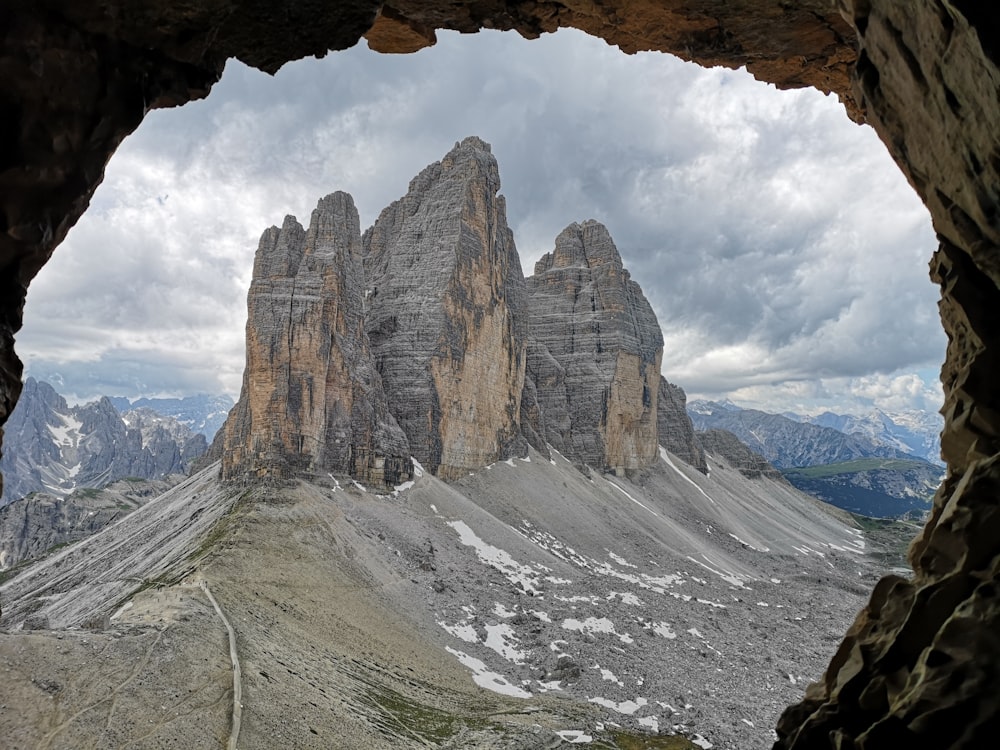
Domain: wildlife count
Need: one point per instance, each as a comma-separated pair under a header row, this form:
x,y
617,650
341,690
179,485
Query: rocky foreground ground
x,y
527,605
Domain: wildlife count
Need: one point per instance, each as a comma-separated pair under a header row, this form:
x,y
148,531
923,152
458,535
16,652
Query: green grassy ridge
x,y
858,465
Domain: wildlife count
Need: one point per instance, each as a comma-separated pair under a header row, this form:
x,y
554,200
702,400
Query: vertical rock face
x,y
674,426
312,401
595,354
445,313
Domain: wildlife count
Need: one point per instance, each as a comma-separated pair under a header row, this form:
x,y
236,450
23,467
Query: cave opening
x,y
921,79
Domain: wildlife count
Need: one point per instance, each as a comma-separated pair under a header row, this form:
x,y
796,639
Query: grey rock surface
x,y
595,353
727,446
312,401
39,523
674,602
674,427
445,313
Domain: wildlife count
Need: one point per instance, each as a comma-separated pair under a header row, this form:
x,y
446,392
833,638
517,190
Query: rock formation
x,y
595,353
34,525
674,427
57,448
445,313
726,445
80,77
436,327
312,401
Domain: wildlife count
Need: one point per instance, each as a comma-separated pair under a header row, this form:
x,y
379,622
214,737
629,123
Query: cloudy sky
x,y
784,253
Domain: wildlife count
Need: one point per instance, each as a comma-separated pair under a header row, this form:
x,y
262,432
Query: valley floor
x,y
524,606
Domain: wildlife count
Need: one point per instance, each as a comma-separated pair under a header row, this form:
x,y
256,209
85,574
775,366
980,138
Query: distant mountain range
x,y
52,447
879,465
791,440
916,433
203,414
874,487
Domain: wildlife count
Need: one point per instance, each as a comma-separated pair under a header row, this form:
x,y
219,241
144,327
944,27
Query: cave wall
x,y
921,665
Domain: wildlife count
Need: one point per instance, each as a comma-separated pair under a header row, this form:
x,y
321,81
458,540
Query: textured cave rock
x,y
595,353
445,313
919,667
312,401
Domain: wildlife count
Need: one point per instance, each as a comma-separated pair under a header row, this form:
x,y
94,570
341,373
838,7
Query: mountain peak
x,y
473,142
426,324
582,245
312,400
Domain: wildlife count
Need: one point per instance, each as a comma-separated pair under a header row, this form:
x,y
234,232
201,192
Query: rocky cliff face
x,y
433,331
445,316
312,401
726,445
595,353
674,427
34,525
55,448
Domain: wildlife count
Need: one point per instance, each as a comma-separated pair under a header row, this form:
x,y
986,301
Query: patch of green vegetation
x,y
398,716
888,539
858,465
219,529
627,741
872,524
88,492
401,717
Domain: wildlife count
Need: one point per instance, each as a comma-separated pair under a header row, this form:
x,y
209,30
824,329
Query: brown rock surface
x,y
445,313
595,353
921,666
78,77
312,401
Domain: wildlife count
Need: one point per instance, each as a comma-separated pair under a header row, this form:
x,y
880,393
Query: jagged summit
x,y
312,400
584,245
595,352
56,448
446,313
422,338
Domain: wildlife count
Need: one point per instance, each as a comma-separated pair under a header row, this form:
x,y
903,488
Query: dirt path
x,y
234,734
